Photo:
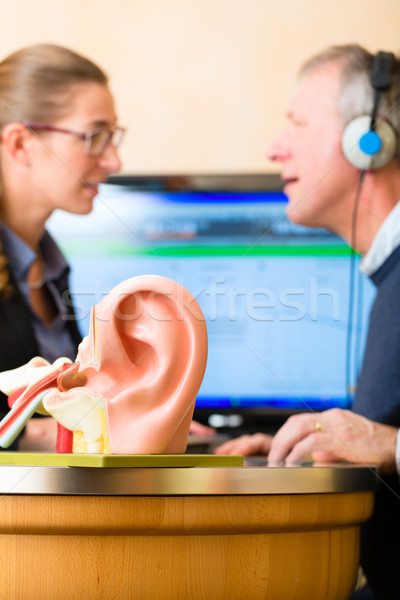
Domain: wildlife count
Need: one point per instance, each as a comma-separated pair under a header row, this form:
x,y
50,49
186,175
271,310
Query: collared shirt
x,y
386,241
54,340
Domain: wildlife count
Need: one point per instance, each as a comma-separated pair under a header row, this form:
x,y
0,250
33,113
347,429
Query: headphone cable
x,y
349,335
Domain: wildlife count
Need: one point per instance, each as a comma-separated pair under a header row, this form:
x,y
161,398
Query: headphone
x,y
369,143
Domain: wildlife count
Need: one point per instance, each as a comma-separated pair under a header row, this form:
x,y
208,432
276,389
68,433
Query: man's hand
x,y
246,445
335,435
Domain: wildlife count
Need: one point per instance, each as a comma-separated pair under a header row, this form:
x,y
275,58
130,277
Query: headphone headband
x,y
381,72
381,79
366,142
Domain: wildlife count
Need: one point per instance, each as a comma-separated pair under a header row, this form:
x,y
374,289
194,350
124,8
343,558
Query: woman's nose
x,y
110,160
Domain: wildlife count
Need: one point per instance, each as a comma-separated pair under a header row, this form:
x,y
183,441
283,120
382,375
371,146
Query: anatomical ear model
x,y
133,386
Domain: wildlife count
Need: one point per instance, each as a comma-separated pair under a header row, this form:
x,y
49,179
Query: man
x,y
360,204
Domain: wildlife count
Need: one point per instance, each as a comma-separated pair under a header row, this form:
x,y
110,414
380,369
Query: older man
x,y
340,164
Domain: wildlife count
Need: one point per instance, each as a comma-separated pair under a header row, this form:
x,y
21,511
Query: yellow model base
x,y
119,460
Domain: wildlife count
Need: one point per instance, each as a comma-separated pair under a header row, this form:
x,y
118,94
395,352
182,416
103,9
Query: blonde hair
x,y
34,86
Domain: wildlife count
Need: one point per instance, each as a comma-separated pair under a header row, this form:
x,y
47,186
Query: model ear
x,y
22,376
151,347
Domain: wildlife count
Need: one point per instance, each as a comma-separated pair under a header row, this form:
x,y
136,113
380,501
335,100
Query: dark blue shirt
x,y
54,340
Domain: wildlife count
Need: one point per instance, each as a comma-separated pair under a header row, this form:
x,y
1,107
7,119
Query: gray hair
x,y
357,94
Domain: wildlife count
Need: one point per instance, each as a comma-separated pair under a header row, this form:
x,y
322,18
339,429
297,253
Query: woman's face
x,y
62,175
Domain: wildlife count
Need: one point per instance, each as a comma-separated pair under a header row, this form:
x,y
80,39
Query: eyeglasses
x,y
96,140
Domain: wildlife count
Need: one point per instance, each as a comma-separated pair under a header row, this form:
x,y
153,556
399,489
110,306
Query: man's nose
x,y
279,149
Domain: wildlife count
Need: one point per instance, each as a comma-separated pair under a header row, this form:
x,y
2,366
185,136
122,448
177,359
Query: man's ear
x,y
16,140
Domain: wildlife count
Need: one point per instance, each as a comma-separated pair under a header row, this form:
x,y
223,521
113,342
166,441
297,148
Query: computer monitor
x,y
275,295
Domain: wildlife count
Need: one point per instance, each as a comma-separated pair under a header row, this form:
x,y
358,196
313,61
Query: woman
x,y
58,142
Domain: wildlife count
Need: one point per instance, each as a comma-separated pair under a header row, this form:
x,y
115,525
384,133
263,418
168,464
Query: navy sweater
x,y
378,398
378,388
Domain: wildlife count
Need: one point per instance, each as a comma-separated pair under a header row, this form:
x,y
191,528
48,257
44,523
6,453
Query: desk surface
x,y
197,481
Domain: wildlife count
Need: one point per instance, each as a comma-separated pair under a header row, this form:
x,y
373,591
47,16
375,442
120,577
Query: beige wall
x,y
201,84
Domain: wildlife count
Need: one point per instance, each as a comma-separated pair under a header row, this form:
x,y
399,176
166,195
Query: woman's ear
x,y
16,140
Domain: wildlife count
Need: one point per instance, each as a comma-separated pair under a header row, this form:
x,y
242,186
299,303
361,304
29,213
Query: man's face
x,y
318,179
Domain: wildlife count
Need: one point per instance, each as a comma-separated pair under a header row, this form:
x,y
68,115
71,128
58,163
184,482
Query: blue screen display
x,y
275,295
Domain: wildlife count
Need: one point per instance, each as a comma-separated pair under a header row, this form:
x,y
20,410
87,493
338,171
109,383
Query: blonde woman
x,y
59,138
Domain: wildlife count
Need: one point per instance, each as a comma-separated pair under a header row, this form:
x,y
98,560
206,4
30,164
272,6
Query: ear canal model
x,y
143,362
352,145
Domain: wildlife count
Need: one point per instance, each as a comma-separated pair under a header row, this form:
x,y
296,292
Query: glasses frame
x,y
85,136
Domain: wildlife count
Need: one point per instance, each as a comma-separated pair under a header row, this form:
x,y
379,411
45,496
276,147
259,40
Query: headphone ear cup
x,y
357,131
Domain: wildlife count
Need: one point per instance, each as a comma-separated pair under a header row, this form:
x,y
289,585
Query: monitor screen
x,y
275,295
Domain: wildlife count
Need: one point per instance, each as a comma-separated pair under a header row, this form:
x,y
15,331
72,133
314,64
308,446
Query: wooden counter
x,y
182,534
